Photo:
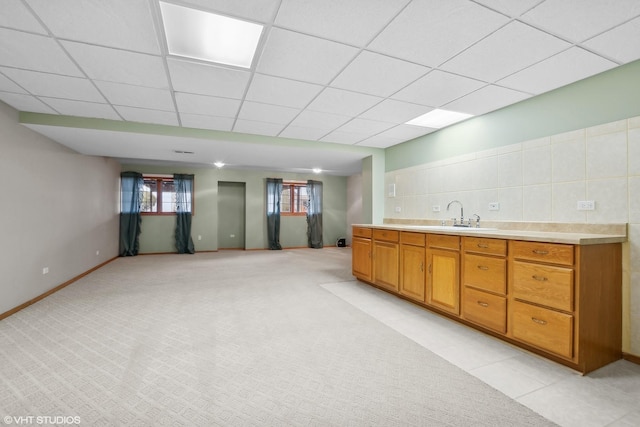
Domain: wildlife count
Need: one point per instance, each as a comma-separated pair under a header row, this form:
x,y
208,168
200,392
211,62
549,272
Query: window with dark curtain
x,y
130,219
274,190
314,214
183,184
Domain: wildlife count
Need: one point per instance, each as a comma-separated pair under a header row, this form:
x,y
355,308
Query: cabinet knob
x,y
539,321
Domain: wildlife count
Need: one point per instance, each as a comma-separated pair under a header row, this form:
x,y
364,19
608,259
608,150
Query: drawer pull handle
x,y
422,266
483,267
539,321
483,245
483,304
540,252
539,278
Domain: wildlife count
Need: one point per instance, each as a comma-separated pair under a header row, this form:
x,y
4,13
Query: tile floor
x,y
609,396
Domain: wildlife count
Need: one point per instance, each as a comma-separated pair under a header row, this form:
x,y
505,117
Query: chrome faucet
x,y
461,211
477,220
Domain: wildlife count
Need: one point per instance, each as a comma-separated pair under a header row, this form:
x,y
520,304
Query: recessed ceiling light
x,y
218,164
439,118
183,152
209,37
317,170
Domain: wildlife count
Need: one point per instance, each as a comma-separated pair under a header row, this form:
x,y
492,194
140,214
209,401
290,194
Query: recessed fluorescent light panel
x,y
209,37
439,118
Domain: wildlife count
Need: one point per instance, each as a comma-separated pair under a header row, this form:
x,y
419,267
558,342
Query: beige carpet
x,y
231,339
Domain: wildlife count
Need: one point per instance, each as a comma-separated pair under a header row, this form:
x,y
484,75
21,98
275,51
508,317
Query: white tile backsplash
x,y
607,155
536,205
565,196
510,169
634,150
611,200
569,160
536,165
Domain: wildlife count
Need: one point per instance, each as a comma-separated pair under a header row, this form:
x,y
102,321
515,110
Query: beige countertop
x,y
585,235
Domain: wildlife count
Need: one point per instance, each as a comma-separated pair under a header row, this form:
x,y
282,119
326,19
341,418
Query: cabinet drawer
x,y
543,328
387,235
444,241
544,252
416,239
485,309
485,273
543,284
361,232
485,246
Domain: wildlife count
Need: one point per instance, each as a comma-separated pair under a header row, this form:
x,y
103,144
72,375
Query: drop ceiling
x,y
327,73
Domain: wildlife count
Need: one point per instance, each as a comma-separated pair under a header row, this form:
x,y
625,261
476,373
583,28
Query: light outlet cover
x,y
398,209
586,205
494,206
435,208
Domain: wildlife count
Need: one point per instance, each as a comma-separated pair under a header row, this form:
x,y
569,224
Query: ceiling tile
x,y
267,113
302,57
393,111
615,44
257,10
579,20
354,22
101,22
136,96
513,8
430,32
487,99
55,86
199,121
22,102
319,120
406,132
300,132
206,105
257,128
343,102
119,66
143,115
504,52
377,74
438,88
344,137
16,15
279,91
7,85
379,141
32,52
207,79
559,70
365,127
69,107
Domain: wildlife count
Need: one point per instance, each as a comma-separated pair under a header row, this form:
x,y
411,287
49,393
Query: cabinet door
x,y
361,258
444,279
385,266
412,272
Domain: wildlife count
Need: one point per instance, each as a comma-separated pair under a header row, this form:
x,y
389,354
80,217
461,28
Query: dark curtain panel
x,y
130,219
274,191
314,214
184,189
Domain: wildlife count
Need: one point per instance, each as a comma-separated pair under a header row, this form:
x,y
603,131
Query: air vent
x,y
183,152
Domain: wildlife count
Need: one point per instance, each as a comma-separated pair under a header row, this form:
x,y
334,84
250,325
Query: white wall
x,y
541,180
58,208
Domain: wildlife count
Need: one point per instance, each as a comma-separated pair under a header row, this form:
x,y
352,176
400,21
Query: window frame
x,y
160,179
292,200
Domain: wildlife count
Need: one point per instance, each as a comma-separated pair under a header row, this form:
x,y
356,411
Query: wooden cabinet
x,y
412,265
386,259
484,282
561,301
566,300
443,284
361,253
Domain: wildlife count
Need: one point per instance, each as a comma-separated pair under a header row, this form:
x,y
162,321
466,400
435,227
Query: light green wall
x,y
606,97
231,215
157,231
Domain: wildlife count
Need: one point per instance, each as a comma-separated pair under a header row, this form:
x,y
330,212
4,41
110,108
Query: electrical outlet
x,y
494,206
398,209
586,205
435,208
45,270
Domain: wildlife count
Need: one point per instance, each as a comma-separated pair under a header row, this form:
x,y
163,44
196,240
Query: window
x,y
159,196
294,199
